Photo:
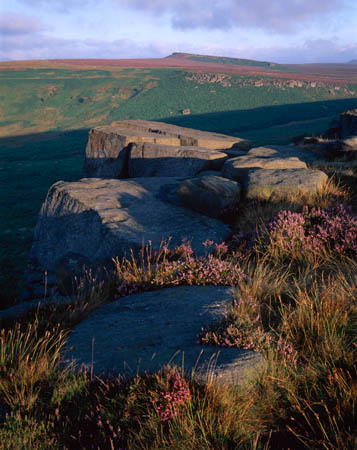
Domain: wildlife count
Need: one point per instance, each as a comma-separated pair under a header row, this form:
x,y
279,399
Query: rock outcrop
x,y
142,332
94,220
180,181
108,147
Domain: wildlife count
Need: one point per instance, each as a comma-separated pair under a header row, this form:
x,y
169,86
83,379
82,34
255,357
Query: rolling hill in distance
x,y
48,106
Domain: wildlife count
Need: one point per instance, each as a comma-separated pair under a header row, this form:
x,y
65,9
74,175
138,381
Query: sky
x,y
283,31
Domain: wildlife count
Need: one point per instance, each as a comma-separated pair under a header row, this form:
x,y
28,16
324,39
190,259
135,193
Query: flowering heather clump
x,y
198,271
180,266
176,393
315,230
246,331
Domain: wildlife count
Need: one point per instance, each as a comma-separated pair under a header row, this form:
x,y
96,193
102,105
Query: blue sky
x,y
285,31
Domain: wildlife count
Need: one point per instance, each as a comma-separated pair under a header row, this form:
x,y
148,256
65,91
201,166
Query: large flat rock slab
x,y
187,136
94,220
140,333
281,183
236,168
149,160
107,149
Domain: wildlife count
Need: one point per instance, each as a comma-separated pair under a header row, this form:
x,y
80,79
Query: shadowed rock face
x,y
142,332
108,147
96,220
348,123
148,160
107,150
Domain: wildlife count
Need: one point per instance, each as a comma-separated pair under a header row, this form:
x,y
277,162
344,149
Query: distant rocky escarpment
x,y
150,181
283,84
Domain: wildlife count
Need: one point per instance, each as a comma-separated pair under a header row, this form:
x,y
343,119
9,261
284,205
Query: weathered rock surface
x,y
284,151
209,194
107,149
188,136
108,146
236,168
142,332
99,219
281,183
149,160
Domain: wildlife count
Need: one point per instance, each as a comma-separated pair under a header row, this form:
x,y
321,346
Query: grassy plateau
x,y
292,266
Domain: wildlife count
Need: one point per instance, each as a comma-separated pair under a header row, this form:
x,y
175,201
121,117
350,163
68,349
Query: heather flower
x,y
313,231
180,266
245,330
167,402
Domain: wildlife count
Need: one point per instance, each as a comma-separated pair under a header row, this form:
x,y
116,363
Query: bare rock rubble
x,y
141,333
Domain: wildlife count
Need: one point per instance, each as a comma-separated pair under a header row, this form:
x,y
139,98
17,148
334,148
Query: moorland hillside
x,y
49,106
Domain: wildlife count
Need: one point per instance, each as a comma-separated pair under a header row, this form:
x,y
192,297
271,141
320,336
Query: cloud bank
x,y
282,16
12,24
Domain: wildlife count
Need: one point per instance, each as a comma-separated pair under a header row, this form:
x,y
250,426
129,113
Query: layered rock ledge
x,y
108,147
